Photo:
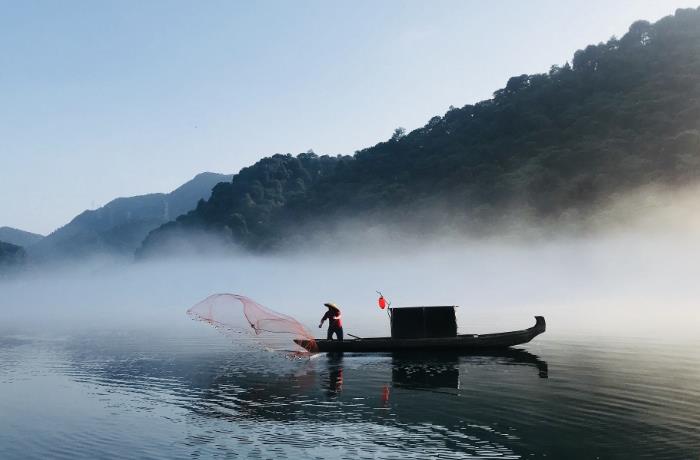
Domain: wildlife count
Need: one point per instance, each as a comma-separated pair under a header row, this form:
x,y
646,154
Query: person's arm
x,y
320,325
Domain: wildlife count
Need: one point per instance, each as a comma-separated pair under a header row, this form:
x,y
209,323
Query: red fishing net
x,y
239,317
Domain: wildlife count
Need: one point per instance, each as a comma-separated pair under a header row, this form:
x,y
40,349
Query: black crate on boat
x,y
423,322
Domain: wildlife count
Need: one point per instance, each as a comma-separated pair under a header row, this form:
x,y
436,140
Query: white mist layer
x,y
624,284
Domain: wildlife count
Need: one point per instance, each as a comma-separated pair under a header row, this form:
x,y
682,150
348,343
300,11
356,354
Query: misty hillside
x,y
18,237
10,254
622,115
242,209
121,225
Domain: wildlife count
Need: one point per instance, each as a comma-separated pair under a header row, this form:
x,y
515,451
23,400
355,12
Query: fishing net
x,y
242,318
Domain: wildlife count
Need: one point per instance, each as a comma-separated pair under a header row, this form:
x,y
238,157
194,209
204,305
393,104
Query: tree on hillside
x,y
623,115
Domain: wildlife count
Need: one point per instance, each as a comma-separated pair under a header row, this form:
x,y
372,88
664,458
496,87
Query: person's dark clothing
x,y
334,318
335,324
338,331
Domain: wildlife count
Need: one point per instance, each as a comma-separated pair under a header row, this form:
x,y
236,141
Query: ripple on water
x,y
130,395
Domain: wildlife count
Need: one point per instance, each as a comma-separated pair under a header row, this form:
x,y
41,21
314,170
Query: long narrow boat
x,y
463,342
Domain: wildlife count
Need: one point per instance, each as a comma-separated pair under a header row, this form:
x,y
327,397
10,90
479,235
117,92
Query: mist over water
x,y
622,283
614,376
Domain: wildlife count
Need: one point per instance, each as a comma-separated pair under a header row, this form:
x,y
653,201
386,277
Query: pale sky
x,y
102,99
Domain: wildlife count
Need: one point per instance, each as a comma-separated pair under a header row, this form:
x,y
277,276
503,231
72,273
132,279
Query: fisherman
x,y
335,324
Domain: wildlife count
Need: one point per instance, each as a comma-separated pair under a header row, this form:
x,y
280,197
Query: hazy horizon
x,y
123,99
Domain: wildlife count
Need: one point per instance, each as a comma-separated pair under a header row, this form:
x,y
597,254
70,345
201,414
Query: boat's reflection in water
x,y
442,370
431,370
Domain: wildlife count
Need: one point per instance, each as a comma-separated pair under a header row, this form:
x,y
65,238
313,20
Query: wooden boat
x,y
464,342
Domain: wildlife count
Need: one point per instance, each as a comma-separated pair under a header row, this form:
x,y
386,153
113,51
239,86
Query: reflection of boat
x,y
428,370
509,357
425,370
464,342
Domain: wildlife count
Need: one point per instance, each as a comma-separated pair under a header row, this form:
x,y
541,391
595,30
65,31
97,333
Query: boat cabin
x,y
423,322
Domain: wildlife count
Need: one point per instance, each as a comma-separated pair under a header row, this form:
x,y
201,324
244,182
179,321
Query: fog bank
x,y
627,285
631,280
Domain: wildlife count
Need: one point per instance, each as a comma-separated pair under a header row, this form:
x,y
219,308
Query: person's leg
x,y
329,335
338,331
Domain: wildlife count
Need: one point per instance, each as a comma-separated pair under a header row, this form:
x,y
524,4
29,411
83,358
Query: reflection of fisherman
x,y
335,324
335,373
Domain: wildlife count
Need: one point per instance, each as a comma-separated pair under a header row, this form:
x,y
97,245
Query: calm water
x,y
148,395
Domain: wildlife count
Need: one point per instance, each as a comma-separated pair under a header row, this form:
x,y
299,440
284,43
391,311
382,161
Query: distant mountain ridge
x,y
547,148
18,237
121,225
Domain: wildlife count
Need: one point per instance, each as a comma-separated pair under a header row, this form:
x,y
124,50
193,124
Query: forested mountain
x,y
242,210
122,224
623,115
18,237
10,254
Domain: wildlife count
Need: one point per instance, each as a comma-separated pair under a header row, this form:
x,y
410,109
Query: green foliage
x,y
624,114
244,209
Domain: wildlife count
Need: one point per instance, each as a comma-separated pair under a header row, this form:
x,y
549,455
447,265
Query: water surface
x,y
146,394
